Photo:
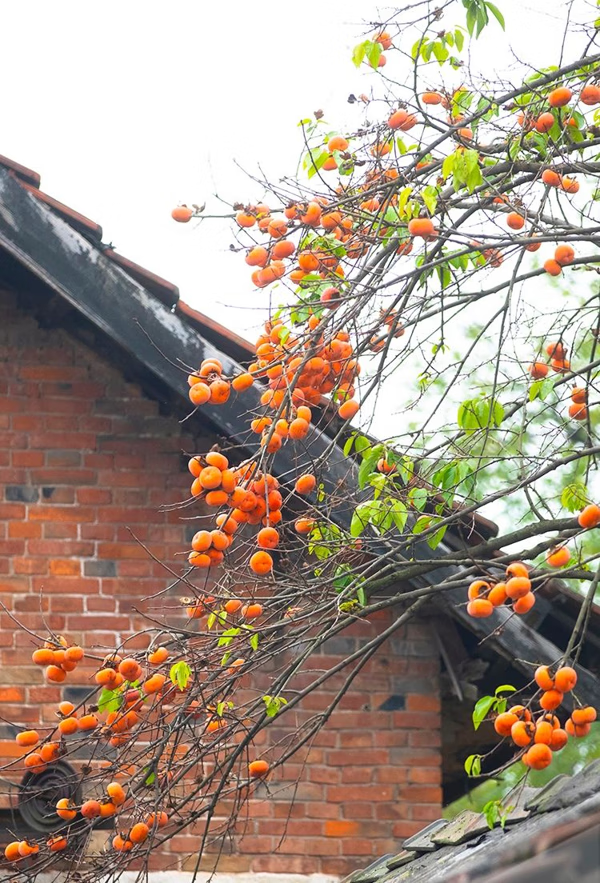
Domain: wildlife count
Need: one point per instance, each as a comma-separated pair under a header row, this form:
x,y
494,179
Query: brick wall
x,y
84,456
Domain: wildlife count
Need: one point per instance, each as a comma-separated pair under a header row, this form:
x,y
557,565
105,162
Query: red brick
x,y
417,720
14,585
14,511
57,584
406,829
60,530
425,775
419,702
46,372
357,774
421,794
92,623
343,793
53,476
324,774
68,603
91,496
425,739
356,846
284,865
128,550
308,846
426,813
65,567
60,548
341,828
24,529
27,458
12,694
370,757
78,440
59,513
30,565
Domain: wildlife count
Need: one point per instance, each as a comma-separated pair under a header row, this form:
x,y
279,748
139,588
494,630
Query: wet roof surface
x,y
465,848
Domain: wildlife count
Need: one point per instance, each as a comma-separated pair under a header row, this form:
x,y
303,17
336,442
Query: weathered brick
x,y
65,567
100,568
21,493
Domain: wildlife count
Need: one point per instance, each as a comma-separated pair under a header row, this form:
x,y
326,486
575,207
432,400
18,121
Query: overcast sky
x,y
127,108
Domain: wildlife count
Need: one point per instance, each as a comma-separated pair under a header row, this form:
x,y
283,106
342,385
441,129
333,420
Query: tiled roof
x,y
165,291
555,829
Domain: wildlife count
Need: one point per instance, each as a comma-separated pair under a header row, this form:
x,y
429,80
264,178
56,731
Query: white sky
x,y
127,108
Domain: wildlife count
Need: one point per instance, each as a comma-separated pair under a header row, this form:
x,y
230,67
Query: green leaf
x,y
359,52
373,53
418,497
254,641
505,688
417,47
109,700
422,524
459,39
448,165
212,618
440,52
541,389
273,704
473,765
430,197
435,539
349,444
180,674
471,19
362,444
315,160
491,811
574,496
378,481
403,199
150,779
497,14
368,465
360,519
474,179
481,710
227,637
398,512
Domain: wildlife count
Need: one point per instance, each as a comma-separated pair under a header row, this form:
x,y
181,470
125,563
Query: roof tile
x,y
422,840
76,219
165,291
402,858
21,172
463,827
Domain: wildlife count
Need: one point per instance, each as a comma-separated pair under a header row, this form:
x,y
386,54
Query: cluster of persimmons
x,y
559,362
540,734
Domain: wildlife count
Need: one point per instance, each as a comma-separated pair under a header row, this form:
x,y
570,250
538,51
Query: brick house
x,y
91,450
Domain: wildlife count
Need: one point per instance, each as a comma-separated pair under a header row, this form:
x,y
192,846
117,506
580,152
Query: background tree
x,y
449,244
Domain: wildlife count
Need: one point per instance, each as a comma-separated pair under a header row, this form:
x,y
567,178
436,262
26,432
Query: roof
x,y
156,334
554,830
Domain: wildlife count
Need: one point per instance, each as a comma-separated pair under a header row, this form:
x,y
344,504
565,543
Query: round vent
x,y
39,793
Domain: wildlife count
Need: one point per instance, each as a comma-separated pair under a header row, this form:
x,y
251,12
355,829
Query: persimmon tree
x,y
442,255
